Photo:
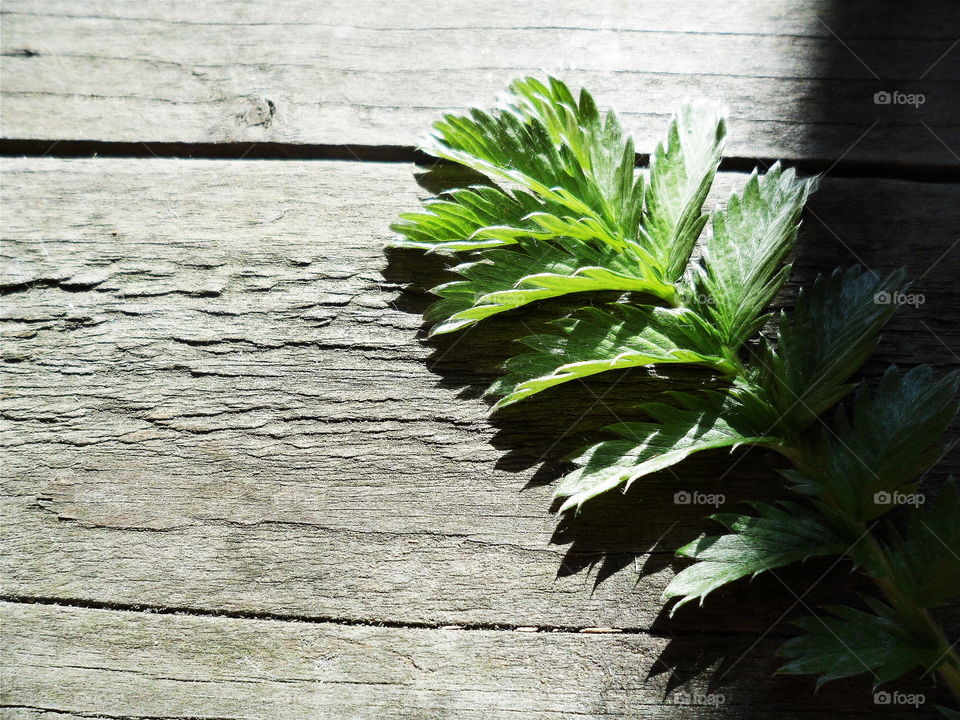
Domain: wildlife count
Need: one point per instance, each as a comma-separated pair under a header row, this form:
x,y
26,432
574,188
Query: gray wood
x,y
214,400
81,663
799,78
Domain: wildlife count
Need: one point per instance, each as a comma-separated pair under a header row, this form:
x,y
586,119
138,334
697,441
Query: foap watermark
x,y
699,698
895,97
885,697
899,298
898,498
683,497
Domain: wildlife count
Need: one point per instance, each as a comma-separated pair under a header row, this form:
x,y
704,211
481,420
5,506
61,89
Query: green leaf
x,y
682,170
851,641
562,150
571,213
890,439
597,340
580,213
925,558
504,279
778,535
742,265
595,142
703,422
831,331
462,218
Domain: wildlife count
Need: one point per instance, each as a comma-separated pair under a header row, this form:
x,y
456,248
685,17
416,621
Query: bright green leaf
x,y
742,267
597,340
701,423
503,279
681,173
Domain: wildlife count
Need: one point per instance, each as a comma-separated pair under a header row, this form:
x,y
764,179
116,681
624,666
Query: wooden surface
x,y
182,666
238,483
799,77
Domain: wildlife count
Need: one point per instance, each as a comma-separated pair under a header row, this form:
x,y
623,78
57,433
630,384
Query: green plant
x,y
563,210
847,476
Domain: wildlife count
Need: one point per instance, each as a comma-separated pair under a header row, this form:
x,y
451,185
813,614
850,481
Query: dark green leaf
x,y
849,642
891,438
925,557
778,535
825,339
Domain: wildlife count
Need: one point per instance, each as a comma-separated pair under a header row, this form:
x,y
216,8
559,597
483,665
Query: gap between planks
x,y
55,148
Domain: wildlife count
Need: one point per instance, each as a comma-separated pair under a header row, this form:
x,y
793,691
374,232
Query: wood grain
x,y
82,663
798,77
216,398
239,483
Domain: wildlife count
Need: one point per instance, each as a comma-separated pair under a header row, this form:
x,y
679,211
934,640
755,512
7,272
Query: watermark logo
x,y
885,97
898,298
683,497
698,698
884,697
898,498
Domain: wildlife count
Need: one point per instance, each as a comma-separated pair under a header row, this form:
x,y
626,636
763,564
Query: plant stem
x,y
952,676
949,669
885,579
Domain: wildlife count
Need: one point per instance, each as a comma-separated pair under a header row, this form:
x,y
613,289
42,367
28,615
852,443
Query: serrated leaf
x,y
454,222
564,151
595,141
831,330
644,448
682,170
925,558
777,535
580,210
573,214
890,439
504,279
598,340
742,266
850,642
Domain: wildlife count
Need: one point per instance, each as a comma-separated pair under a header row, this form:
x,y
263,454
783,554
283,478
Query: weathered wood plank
x,y
71,662
799,78
212,400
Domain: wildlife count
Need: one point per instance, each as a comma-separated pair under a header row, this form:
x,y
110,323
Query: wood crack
x,y
371,622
